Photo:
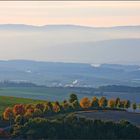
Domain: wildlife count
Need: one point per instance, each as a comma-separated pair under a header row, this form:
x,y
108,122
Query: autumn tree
x,y
103,102
8,114
111,103
29,113
19,109
29,106
40,106
95,102
85,103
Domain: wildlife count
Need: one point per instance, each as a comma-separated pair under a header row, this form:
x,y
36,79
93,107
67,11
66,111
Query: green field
x,y
60,93
6,101
45,93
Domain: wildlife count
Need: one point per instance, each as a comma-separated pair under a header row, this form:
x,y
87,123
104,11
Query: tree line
x,y
28,111
20,116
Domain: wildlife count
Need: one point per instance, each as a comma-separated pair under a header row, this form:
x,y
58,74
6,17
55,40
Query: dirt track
x,y
108,115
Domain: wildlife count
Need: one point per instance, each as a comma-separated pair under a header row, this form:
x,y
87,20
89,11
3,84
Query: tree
x,y
29,113
73,97
127,104
19,109
95,102
111,103
46,109
49,104
75,127
103,102
85,103
29,106
117,102
40,106
56,108
8,114
134,106
75,105
122,103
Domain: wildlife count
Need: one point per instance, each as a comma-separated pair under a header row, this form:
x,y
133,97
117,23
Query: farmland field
x,y
59,93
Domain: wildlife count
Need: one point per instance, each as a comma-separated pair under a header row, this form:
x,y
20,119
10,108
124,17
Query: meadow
x,y
61,93
6,101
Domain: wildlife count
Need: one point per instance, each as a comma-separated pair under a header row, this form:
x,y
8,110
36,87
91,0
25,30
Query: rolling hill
x,y
69,74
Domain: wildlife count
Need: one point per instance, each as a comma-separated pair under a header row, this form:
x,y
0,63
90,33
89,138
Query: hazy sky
x,y
67,45
91,13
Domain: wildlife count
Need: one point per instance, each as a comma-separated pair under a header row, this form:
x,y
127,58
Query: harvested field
x,y
108,115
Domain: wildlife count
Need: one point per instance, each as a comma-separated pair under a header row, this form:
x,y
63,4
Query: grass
x,y
44,93
6,101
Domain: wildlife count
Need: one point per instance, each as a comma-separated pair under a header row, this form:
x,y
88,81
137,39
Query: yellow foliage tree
x,y
111,103
103,102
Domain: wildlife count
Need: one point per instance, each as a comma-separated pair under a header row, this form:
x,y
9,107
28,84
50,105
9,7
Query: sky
x,y
87,13
70,45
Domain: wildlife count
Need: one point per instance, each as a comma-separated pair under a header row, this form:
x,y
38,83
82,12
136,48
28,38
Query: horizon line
x,y
45,61
78,25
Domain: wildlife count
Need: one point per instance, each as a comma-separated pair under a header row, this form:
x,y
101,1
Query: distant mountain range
x,y
64,26
71,43
69,74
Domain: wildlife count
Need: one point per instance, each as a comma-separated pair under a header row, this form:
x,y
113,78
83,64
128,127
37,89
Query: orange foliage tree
x,y
8,114
19,109
85,103
29,113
